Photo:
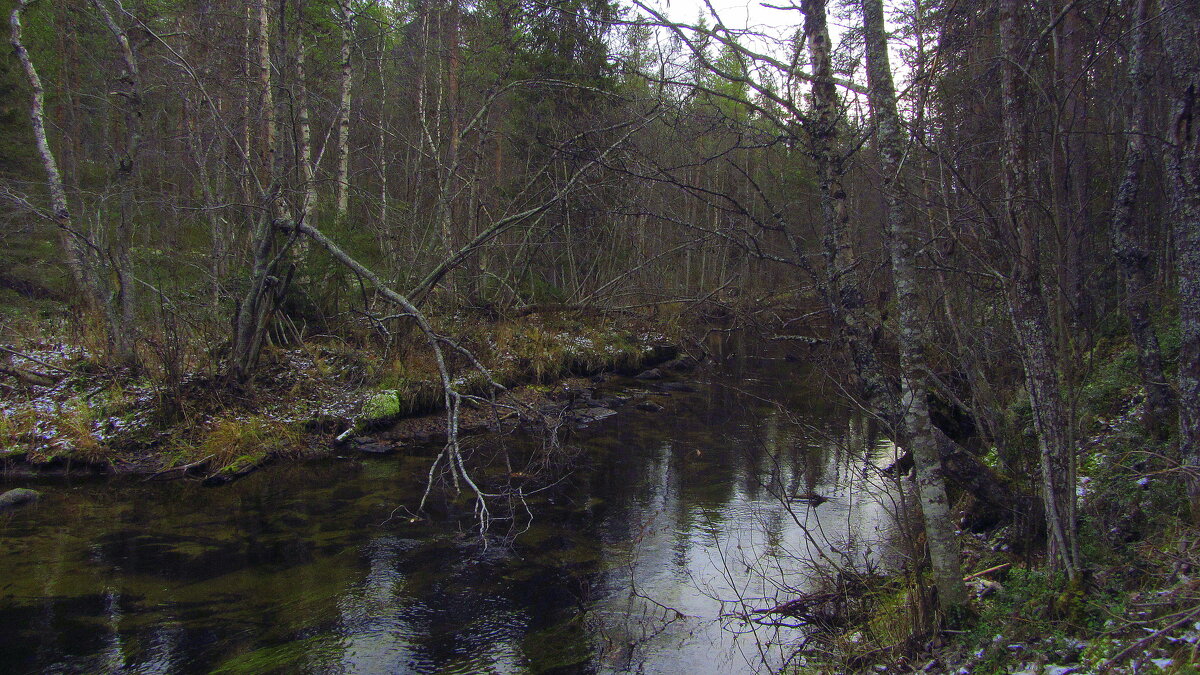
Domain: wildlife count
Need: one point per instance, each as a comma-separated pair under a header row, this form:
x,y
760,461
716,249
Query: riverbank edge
x,y
347,425
1135,610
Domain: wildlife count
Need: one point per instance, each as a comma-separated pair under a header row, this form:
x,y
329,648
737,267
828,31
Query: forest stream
x,y
668,526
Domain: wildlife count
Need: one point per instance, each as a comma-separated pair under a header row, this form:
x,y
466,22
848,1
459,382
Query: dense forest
x,y
982,218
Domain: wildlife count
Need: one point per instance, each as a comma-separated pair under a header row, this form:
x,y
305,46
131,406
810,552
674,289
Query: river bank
x,y
1136,609
311,399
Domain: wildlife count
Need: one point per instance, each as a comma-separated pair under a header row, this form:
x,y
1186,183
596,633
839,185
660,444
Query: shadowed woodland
x,y
982,219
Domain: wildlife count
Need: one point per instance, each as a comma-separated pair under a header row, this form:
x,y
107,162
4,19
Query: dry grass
x,y
233,441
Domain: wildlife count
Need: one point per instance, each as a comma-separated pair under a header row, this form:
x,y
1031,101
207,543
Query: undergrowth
x,y
1137,609
303,391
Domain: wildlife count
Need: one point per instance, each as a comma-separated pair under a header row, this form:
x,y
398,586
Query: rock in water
x,y
595,414
17,498
681,364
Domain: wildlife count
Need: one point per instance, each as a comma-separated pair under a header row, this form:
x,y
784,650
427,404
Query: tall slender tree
x,y
1029,311
1181,35
904,244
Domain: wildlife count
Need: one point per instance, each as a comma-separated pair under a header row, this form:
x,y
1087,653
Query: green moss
x,y
381,406
244,462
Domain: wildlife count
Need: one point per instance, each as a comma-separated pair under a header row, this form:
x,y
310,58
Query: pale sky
x,y
777,24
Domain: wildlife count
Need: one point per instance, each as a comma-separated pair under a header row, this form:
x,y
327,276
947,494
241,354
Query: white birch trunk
x,y
342,184
60,213
940,537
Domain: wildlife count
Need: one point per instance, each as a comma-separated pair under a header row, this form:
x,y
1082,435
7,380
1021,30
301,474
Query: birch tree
x,y
266,287
1029,311
342,180
905,244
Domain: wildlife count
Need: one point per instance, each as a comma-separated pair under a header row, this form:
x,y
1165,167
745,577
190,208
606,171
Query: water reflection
x,y
644,559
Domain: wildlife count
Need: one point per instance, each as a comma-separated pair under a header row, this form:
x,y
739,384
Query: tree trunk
x,y
386,239
307,170
905,241
266,287
1128,242
121,305
342,184
844,294
1181,34
76,247
59,211
1071,203
1028,309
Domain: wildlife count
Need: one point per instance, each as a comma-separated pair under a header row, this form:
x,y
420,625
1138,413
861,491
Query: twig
x,y
987,571
183,468
1120,656
35,360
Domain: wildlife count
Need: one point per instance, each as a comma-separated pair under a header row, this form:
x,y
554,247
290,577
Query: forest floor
x,y
66,414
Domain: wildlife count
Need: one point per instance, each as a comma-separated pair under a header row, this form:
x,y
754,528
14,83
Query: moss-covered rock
x,y
14,499
380,407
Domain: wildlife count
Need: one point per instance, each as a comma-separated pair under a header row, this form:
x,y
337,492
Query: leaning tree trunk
x,y
905,242
1028,309
1128,243
1181,33
76,248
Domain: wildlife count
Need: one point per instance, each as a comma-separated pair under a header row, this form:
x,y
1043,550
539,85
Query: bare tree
x,y
1029,312
905,244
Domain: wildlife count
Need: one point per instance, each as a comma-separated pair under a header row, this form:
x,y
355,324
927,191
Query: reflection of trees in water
x,y
665,533
729,539
747,543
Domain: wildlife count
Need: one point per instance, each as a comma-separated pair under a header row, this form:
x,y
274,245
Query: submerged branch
x,y
452,398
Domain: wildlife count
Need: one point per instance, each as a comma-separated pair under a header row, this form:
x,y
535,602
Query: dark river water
x,y
667,526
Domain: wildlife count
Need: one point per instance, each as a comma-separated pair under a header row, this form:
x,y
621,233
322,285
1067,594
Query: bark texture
x,y
844,293
342,184
1128,242
1029,311
1181,35
905,241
